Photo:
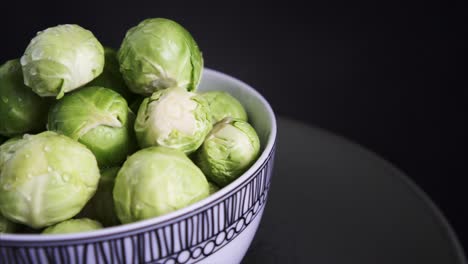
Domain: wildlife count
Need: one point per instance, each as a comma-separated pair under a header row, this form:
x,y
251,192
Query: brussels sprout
x,y
173,118
159,53
73,226
99,118
224,105
213,188
111,77
6,226
155,181
101,206
45,178
230,148
21,110
61,59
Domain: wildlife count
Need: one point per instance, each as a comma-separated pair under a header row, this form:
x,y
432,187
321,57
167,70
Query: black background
x,y
389,77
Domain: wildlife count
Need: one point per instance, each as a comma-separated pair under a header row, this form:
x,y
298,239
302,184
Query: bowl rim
x,y
152,223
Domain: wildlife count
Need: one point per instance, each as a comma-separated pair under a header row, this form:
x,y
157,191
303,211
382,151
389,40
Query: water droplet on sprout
x,y
23,61
36,54
7,186
66,177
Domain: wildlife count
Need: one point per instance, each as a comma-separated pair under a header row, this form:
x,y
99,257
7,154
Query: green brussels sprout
x,y
45,178
228,151
222,105
159,53
213,188
155,181
111,77
21,110
173,118
6,226
73,226
99,118
101,206
61,59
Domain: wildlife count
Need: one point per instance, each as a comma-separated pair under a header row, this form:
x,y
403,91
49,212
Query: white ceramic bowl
x,y
218,229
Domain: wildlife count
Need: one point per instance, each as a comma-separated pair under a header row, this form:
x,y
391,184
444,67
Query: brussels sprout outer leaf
x,y
61,59
73,226
21,110
155,181
159,53
230,149
45,178
111,77
223,105
98,118
213,188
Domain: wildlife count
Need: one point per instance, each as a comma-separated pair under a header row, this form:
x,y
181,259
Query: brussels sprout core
x,y
21,110
230,148
61,59
73,226
45,178
173,118
155,181
159,53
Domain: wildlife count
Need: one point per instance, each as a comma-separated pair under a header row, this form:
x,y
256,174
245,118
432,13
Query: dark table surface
x,y
334,202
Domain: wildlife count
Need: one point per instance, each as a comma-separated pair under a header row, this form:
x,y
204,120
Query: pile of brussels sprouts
x,y
95,138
